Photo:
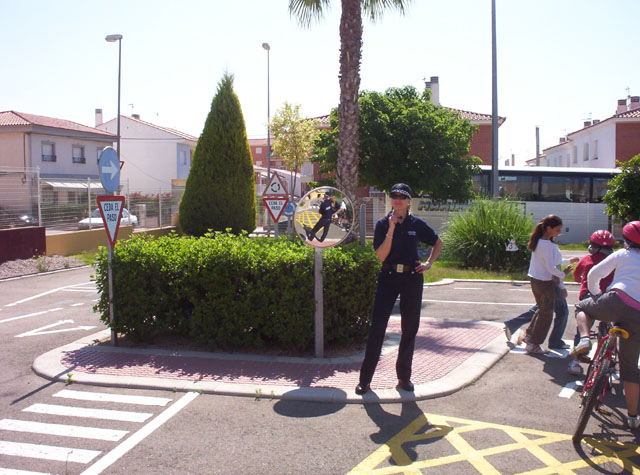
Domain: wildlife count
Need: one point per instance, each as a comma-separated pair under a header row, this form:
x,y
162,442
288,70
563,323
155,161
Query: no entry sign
x,y
111,211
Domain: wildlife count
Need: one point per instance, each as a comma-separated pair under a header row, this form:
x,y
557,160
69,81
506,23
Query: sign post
x,y
275,198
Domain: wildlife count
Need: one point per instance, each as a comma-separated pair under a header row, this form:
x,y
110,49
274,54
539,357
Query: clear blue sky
x,y
560,62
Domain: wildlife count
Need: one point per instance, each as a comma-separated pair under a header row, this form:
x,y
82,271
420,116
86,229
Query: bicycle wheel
x,y
591,398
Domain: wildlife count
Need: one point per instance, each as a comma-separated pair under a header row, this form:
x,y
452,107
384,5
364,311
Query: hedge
x,y
230,291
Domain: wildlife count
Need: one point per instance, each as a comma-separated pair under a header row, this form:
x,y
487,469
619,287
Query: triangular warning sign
x,y
275,187
111,211
512,246
275,205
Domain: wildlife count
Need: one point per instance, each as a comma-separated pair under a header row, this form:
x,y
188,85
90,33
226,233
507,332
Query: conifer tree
x,y
220,191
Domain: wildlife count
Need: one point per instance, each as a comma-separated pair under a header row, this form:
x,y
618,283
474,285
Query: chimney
x,y
634,103
596,121
587,123
563,139
136,116
434,85
513,159
622,106
98,117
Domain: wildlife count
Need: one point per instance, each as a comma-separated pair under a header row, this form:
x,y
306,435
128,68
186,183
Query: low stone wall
x,y
77,242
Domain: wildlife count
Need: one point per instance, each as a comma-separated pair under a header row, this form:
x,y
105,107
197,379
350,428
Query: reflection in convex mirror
x,y
324,217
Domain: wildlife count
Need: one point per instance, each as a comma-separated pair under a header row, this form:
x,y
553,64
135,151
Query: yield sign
x,y
111,211
275,205
275,188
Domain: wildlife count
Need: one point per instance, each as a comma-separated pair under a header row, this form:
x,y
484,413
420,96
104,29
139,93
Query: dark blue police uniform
x,y
394,281
326,211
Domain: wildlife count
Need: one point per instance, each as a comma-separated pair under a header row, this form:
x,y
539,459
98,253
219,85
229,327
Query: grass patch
x,y
453,270
87,258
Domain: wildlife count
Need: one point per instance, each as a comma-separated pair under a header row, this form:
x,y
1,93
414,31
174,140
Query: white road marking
x,y
30,315
76,304
140,435
89,413
62,430
467,288
47,452
121,398
44,330
44,293
11,471
479,303
529,290
569,389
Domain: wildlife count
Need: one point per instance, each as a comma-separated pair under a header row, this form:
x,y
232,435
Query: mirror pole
x,y
319,316
363,224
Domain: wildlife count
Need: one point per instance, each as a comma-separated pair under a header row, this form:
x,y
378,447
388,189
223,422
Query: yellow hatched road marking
x,y
427,428
309,218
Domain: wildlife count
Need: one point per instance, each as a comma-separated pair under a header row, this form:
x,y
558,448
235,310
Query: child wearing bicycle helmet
x,y
620,303
601,245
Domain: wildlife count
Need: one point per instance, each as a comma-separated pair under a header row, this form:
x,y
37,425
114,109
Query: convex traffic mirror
x,y
324,217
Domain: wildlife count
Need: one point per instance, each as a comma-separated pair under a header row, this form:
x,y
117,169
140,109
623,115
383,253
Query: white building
x,y
153,156
599,144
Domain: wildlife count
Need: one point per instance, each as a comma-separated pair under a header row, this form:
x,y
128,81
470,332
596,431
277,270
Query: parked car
x,y
13,219
96,220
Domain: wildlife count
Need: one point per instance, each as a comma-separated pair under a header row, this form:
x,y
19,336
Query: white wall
x,y
63,150
604,133
150,155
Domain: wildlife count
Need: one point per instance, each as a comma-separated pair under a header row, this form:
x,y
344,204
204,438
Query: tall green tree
x,y
350,54
220,192
293,138
623,197
406,138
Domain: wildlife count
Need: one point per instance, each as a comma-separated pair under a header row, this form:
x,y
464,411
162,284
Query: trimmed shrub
x,y
231,292
479,236
220,192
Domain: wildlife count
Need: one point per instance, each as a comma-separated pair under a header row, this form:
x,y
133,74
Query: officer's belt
x,y
398,268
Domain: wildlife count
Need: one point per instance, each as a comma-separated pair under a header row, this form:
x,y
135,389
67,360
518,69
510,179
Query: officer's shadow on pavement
x,y
390,425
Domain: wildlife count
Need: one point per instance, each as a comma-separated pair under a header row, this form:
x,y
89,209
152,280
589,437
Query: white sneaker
x,y
520,334
574,367
507,333
633,422
583,346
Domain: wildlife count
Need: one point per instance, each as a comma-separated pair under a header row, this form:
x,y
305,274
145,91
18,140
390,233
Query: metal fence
x,y
65,204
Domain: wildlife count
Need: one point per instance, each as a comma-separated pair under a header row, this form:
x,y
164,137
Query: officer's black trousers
x,y
322,223
390,285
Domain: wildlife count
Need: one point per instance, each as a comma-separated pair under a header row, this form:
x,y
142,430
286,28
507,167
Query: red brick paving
x,y
440,347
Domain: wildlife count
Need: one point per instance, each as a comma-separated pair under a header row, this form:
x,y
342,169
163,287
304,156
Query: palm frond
x,y
308,10
375,8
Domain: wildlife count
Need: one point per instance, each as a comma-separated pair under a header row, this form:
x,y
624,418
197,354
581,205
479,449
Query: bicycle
x,y
599,376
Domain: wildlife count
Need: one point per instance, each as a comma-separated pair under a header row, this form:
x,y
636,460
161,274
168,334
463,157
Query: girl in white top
x,y
620,303
545,256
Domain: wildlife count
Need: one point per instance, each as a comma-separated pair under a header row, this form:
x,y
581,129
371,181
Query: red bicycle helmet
x,y
602,238
631,232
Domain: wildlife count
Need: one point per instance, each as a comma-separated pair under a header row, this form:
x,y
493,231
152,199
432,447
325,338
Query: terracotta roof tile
x,y
472,116
633,114
13,118
166,129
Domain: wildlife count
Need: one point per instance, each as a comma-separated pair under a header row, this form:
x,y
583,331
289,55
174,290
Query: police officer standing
x,y
395,241
327,208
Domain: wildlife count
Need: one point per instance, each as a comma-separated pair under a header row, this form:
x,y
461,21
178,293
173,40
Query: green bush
x,y
479,236
230,292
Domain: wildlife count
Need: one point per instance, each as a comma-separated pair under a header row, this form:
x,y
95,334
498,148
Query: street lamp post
x,y
494,104
114,335
268,48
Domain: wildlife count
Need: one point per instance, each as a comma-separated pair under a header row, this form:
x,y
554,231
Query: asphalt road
x,y
518,417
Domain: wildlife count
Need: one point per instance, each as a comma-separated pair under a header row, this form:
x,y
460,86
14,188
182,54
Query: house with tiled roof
x,y
599,144
62,153
156,158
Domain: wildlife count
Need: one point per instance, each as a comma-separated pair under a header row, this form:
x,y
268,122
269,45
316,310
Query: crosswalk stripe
x,y
12,471
47,452
109,414
122,398
62,430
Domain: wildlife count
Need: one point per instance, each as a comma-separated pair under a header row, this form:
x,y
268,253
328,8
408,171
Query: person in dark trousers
x,y
327,208
395,241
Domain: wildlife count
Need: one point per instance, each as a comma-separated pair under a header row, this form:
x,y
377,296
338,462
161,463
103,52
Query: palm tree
x,y
350,53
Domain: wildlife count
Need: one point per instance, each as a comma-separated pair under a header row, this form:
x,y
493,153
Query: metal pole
x,y
89,200
119,71
114,334
363,224
537,146
39,197
268,48
494,104
318,294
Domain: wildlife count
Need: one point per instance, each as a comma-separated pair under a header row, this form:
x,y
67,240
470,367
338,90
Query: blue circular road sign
x,y
109,169
290,209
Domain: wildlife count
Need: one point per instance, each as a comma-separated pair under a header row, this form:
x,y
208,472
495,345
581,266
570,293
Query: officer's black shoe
x,y
362,389
406,385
